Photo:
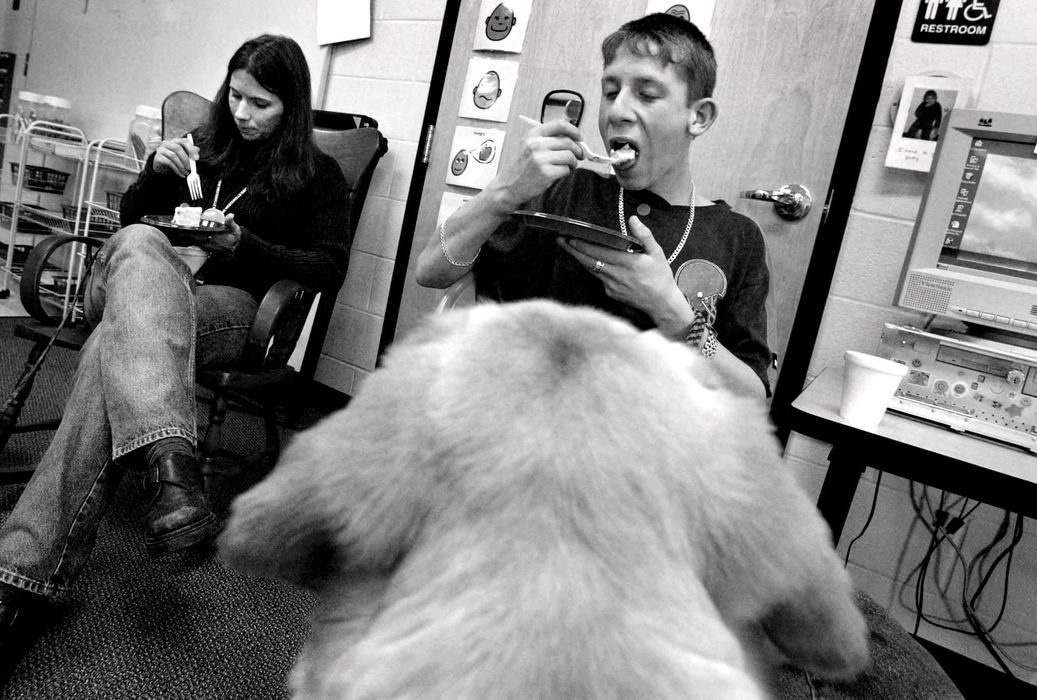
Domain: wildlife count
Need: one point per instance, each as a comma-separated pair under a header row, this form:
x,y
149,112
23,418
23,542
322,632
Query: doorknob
x,y
791,202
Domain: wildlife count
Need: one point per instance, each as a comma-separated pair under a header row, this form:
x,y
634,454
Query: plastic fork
x,y
587,152
194,183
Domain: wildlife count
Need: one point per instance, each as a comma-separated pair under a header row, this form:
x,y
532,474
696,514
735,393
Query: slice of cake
x,y
187,216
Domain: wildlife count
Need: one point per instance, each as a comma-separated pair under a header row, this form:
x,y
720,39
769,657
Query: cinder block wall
x,y
879,231
386,77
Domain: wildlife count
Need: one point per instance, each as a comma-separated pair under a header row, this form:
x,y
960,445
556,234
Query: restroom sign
x,y
954,21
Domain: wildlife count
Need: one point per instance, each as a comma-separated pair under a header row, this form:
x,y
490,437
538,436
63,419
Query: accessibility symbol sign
x,y
954,21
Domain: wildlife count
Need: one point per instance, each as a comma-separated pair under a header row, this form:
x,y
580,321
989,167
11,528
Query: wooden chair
x,y
262,377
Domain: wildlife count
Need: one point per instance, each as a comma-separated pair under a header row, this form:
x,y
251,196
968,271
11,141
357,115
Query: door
x,y
786,72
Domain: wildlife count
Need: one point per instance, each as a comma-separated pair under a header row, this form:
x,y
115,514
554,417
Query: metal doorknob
x,y
791,202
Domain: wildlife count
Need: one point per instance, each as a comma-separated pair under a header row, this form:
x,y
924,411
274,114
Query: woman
x,y
131,406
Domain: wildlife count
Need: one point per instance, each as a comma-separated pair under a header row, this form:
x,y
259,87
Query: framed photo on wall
x,y
924,105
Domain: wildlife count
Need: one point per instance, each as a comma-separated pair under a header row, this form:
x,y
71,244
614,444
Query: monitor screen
x,y
993,223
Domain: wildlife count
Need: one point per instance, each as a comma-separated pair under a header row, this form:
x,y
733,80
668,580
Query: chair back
x,y
182,111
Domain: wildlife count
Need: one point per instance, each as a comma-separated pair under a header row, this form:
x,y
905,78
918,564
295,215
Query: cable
x,y
867,521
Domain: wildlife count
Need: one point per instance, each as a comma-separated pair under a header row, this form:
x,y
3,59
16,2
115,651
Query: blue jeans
x,y
134,384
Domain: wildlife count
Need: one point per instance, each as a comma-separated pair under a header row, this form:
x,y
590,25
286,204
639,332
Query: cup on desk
x,y
869,383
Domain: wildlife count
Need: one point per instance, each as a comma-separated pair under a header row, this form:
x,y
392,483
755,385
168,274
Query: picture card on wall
x,y
502,25
698,12
475,156
489,87
924,105
451,202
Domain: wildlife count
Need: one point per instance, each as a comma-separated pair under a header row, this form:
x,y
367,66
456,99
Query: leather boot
x,y
178,514
22,618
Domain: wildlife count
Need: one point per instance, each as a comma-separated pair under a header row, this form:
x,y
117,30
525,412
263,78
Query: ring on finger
x,y
598,266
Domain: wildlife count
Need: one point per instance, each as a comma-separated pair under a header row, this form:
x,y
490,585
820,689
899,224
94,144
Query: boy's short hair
x,y
670,40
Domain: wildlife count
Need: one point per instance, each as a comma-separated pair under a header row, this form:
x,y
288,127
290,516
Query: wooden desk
x,y
997,474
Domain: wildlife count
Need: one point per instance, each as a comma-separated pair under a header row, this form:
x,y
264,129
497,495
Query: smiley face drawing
x,y
499,23
680,12
485,94
460,162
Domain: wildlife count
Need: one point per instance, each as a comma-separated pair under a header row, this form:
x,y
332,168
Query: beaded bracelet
x,y
449,259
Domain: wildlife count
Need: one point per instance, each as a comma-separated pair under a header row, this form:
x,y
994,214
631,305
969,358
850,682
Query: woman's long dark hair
x,y
285,160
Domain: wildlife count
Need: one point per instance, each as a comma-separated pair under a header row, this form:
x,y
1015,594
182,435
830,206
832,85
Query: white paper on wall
x,y
475,156
451,202
698,12
924,105
502,25
489,87
343,20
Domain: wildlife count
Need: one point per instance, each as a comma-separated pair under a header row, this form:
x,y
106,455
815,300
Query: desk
x,y
997,474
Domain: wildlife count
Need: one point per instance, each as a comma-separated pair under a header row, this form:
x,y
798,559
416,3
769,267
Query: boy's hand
x,y
549,152
642,280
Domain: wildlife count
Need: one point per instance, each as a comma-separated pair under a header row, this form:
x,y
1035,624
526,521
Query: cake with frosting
x,y
187,216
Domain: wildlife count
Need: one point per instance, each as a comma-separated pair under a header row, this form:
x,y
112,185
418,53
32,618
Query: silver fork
x,y
194,183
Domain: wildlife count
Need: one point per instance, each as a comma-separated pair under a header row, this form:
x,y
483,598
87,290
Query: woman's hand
x,y
227,241
642,280
174,156
549,152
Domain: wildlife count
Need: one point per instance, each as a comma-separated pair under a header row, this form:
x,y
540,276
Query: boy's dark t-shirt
x,y
724,259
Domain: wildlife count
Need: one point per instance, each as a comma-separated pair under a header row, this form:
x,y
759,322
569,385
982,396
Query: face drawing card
x,y
698,12
489,87
502,25
475,156
924,105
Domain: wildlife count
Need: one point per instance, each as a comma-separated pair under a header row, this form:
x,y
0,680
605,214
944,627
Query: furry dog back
x,y
535,501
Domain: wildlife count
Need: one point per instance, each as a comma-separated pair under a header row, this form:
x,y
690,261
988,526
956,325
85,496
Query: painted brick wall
x,y
878,233
386,77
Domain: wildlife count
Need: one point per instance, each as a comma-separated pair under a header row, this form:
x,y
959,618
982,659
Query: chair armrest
x,y
40,260
277,326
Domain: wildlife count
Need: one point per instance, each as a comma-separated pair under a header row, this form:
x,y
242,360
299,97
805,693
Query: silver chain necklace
x,y
687,229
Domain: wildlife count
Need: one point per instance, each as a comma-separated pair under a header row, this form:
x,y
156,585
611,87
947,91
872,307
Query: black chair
x,y
262,378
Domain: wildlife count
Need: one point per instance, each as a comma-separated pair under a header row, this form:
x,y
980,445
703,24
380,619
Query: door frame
x,y
827,242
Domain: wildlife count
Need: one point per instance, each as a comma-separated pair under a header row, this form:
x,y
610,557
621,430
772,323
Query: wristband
x,y
449,259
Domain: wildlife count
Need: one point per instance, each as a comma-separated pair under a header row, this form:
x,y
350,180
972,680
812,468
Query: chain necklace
x,y
687,229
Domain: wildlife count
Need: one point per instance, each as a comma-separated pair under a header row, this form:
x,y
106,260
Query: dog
x,y
529,500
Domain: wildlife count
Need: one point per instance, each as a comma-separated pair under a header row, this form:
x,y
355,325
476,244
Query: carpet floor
x,y
180,626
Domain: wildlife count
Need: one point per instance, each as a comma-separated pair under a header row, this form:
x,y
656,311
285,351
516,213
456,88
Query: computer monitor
x,y
973,255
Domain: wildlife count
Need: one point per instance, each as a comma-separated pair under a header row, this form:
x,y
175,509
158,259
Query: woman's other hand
x,y
227,241
174,156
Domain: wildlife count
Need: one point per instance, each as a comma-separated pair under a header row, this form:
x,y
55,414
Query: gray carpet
x,y
182,626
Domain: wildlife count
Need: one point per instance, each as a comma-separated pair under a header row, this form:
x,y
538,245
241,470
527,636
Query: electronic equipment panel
x,y
971,385
973,254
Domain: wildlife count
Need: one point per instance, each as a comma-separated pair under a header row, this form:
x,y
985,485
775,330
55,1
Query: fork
x,y
194,183
587,152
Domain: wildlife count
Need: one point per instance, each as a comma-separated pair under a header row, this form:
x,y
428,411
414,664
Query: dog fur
x,y
535,501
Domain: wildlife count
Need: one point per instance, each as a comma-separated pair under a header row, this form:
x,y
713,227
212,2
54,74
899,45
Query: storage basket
x,y
114,200
101,221
40,179
25,223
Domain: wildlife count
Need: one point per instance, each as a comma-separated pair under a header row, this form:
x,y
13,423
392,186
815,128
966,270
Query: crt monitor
x,y
973,255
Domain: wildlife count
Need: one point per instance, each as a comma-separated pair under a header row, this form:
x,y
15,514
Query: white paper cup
x,y
194,256
869,383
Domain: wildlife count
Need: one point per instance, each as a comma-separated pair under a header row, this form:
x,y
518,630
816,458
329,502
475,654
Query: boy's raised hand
x,y
549,152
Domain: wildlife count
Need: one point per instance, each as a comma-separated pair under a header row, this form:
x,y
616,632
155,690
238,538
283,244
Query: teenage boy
x,y
702,278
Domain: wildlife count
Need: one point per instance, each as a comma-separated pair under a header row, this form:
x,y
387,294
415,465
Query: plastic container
x,y
30,106
145,132
57,109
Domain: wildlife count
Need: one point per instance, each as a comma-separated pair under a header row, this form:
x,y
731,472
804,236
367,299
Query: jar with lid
x,y
58,109
145,132
30,106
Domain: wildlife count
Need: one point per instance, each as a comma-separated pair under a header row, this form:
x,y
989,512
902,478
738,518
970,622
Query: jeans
x,y
133,385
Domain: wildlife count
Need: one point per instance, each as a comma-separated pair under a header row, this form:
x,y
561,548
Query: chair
x,y
262,376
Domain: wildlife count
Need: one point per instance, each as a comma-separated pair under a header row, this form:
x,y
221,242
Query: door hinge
x,y
426,150
827,207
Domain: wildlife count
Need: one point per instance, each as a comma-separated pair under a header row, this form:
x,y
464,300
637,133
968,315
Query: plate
x,y
572,228
179,233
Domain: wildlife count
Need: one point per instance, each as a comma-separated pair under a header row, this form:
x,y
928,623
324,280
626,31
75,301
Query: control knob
x,y
1015,378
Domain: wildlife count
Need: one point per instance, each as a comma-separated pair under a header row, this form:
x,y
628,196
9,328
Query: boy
x,y
703,276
